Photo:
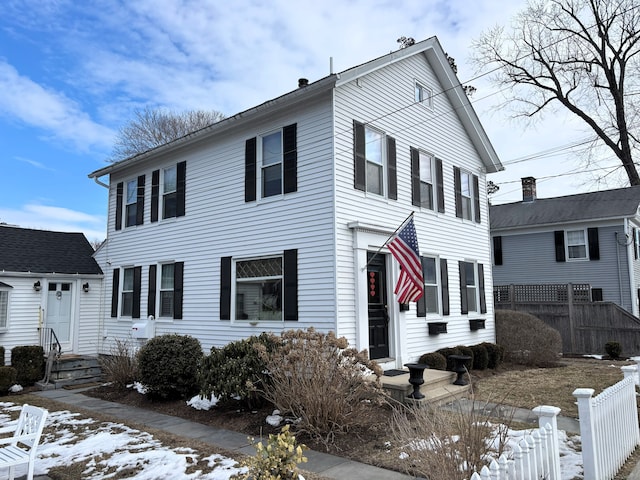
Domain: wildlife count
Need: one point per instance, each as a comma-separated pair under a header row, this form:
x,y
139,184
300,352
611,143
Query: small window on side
x,y
423,95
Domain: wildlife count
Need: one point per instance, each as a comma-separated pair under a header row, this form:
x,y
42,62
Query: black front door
x,y
377,302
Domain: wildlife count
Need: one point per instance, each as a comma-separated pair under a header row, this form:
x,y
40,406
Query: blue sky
x,y
72,73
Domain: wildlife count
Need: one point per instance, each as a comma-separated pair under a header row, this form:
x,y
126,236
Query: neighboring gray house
x,y
590,238
48,280
275,218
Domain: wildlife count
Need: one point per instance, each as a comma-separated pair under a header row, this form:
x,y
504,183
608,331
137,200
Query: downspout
x,y
103,292
632,273
95,179
619,270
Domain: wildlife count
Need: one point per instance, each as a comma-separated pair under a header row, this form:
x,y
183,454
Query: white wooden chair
x,y
21,447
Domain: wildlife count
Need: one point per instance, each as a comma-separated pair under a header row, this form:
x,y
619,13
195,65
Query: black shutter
x,y
137,281
140,201
457,186
391,169
290,292
483,300
225,288
476,198
421,303
359,160
464,308
250,171
155,194
181,188
119,191
178,282
151,295
115,284
444,280
440,185
594,245
635,243
559,239
497,250
290,158
415,177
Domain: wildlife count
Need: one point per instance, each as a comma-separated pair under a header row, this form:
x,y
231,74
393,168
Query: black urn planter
x,y
460,368
416,378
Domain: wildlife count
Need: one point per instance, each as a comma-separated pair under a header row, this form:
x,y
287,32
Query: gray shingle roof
x,y
607,204
41,251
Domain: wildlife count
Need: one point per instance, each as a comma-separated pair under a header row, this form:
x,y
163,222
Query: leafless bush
x,y
315,378
120,366
447,444
527,339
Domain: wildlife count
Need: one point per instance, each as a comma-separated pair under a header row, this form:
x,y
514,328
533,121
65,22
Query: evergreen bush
x,y
435,360
8,377
480,357
446,352
496,354
467,351
2,351
613,349
29,364
168,366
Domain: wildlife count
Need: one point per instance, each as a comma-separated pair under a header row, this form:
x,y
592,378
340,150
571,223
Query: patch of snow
x,y
597,357
200,403
16,388
275,419
138,387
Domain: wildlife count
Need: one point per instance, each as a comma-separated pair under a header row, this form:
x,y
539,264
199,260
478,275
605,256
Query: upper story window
x,y
276,155
131,202
271,170
467,192
423,95
374,161
169,185
636,243
576,245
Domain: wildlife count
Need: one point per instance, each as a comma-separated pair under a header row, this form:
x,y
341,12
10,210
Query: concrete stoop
x,y
438,388
71,369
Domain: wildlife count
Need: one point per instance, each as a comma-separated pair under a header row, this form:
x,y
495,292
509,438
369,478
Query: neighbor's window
x,y
423,95
127,293
576,244
430,274
271,148
374,154
426,181
169,191
466,186
259,289
131,202
167,290
4,309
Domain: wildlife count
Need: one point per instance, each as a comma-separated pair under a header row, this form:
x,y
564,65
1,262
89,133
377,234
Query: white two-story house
x,y
276,218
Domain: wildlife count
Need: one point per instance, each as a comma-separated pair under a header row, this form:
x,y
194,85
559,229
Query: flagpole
x,y
387,240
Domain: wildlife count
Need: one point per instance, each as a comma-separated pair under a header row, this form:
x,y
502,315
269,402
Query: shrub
x,y
168,366
277,461
480,357
495,352
29,364
237,369
8,377
526,339
446,352
317,379
613,349
120,366
2,351
435,360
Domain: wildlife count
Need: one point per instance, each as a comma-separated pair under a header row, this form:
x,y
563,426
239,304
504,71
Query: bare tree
x,y
153,127
581,55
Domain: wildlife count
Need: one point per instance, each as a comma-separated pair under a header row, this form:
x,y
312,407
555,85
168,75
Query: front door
x,y
377,303
58,315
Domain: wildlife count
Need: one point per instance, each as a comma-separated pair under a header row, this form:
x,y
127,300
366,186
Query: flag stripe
x,y
404,248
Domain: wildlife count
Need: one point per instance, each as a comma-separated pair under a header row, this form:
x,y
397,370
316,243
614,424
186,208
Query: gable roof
x,y
430,48
604,205
42,251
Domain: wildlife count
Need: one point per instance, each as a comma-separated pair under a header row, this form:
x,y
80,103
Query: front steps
x,y
72,369
438,388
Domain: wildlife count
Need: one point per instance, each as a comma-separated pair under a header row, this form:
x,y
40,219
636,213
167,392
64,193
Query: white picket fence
x,y
608,427
535,456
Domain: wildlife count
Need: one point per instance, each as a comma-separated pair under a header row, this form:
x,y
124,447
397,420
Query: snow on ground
x,y
107,447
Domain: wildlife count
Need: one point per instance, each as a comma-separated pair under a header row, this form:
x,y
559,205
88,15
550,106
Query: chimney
x,y
302,82
528,189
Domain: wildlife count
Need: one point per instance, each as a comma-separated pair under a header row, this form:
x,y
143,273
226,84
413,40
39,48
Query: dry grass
x,y
530,387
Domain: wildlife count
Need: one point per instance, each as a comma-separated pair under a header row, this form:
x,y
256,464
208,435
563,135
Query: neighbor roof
x,y
41,251
607,204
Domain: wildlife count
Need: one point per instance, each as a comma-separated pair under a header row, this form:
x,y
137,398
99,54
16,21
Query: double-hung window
x,y
127,292
472,293
374,161
271,170
167,276
470,286
4,306
131,202
374,155
169,191
576,245
467,192
430,274
423,95
259,289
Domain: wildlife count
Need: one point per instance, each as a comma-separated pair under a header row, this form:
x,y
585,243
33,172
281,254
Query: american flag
x,y
404,247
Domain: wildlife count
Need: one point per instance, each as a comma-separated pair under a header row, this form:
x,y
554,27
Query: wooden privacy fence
x,y
585,326
535,456
608,428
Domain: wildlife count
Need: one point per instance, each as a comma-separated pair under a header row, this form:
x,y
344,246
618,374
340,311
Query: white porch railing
x,y
535,456
608,426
